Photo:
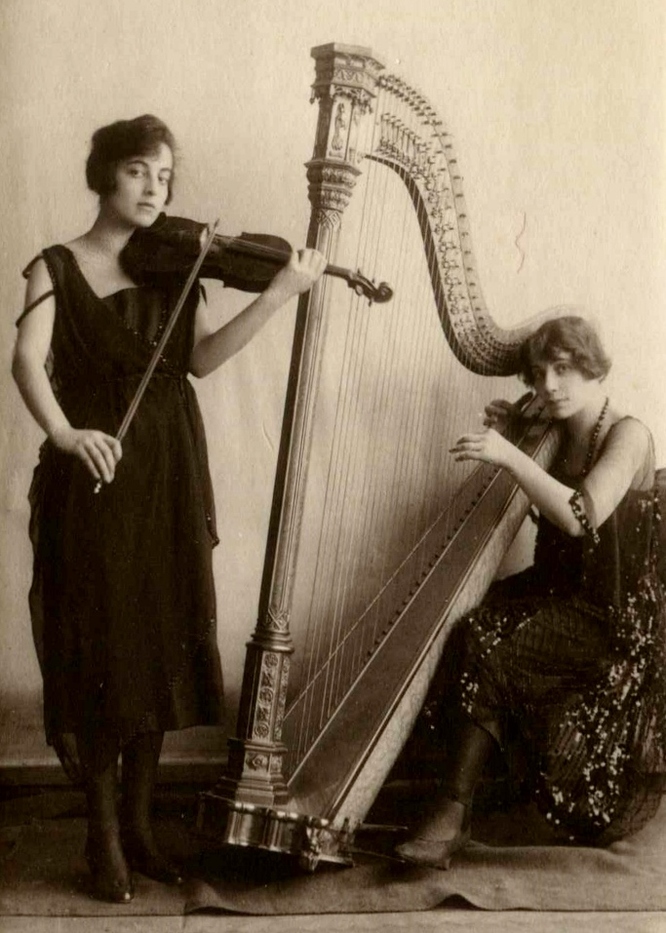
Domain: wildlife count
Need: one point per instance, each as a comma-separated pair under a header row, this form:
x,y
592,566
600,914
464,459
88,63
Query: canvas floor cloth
x,y
630,875
42,873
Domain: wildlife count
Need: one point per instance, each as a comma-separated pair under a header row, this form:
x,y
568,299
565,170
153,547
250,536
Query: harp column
x,y
344,86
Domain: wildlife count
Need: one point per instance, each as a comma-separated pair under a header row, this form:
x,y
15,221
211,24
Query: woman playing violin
x,y
122,598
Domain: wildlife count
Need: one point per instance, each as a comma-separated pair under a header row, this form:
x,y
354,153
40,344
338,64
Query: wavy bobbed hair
x,y
569,334
121,140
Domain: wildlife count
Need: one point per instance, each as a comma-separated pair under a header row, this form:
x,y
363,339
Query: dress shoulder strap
x,y
644,472
26,274
33,305
28,269
627,418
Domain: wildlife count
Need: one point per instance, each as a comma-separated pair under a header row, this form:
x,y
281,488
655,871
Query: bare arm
x,y
100,452
603,488
623,456
212,347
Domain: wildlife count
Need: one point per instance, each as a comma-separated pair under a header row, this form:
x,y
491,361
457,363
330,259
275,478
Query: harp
x,y
378,541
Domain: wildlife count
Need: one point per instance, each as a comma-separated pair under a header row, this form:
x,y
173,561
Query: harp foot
x,y
311,840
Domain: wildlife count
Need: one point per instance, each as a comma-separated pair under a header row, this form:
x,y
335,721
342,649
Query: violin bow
x,y
159,349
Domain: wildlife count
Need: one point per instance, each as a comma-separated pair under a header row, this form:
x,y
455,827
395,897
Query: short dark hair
x,y
121,140
569,334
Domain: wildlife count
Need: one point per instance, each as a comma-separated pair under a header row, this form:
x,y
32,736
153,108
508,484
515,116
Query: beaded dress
x,y
571,654
122,598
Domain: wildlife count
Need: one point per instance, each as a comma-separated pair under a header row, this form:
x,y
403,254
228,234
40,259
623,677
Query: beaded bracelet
x,y
578,508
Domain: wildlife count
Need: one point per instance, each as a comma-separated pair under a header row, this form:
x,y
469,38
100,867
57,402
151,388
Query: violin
x,y
170,246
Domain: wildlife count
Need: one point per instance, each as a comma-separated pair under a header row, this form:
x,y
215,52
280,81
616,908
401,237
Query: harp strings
x,y
333,655
360,631
413,132
400,397
345,519
339,493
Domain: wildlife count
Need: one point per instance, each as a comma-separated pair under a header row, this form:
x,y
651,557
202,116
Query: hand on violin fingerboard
x,y
305,266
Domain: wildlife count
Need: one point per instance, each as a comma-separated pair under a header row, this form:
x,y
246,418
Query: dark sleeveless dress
x,y
122,599
571,656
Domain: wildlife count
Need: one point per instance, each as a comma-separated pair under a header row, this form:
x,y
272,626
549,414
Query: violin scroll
x,y
363,286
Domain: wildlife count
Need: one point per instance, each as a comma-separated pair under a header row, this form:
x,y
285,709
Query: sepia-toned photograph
x,y
333,466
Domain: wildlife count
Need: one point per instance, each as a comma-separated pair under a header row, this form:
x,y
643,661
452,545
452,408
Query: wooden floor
x,y
443,921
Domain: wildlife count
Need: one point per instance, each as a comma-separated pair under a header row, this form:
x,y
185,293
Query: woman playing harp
x,y
573,650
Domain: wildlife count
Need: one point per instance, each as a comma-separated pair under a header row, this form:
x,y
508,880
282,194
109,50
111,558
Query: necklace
x,y
594,437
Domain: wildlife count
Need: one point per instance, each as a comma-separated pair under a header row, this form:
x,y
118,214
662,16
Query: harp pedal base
x,y
308,839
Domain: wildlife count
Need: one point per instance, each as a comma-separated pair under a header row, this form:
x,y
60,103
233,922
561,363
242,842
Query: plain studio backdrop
x,y
557,113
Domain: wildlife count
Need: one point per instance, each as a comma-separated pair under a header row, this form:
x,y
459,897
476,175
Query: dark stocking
x,y
104,853
472,746
446,826
140,761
